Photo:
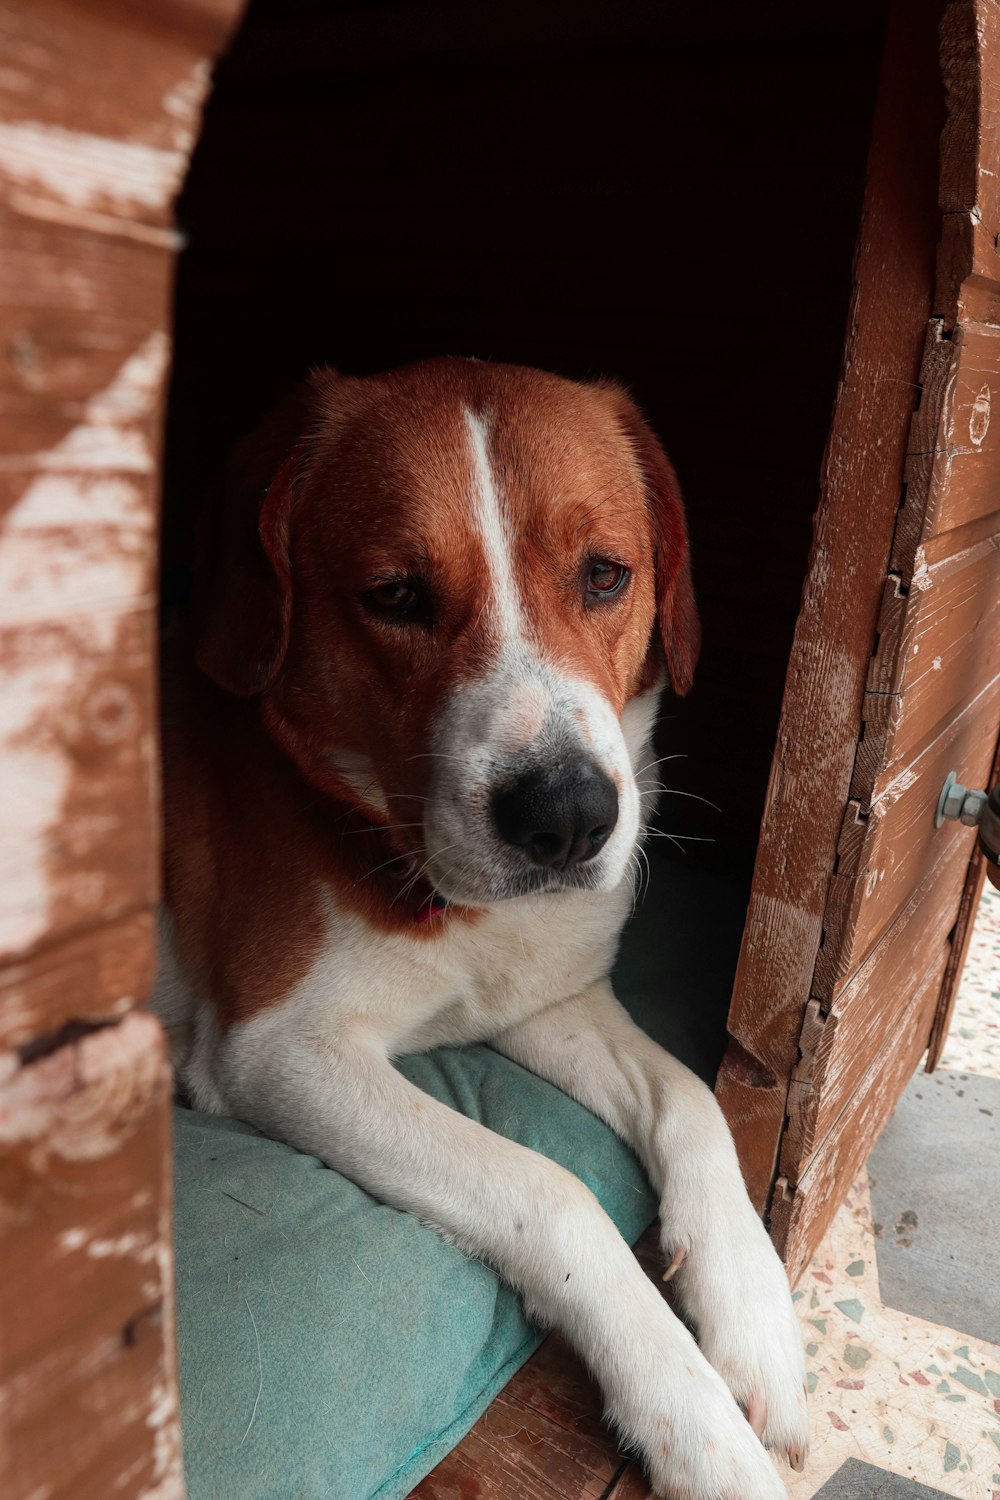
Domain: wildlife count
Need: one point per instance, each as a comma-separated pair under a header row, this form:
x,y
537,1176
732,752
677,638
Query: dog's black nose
x,y
561,815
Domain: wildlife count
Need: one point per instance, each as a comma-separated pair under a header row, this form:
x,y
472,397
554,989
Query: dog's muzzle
x,y
559,816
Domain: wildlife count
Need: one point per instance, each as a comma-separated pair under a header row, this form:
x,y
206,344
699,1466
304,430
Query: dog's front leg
x,y
537,1225
730,1281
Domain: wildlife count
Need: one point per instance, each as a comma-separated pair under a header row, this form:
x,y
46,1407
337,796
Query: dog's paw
x,y
698,1444
735,1291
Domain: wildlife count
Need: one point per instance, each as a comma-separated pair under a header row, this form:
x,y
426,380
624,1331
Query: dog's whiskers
x,y
385,863
661,760
378,828
672,791
408,887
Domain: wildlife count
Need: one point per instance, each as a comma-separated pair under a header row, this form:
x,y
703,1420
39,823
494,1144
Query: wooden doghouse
x,y
631,189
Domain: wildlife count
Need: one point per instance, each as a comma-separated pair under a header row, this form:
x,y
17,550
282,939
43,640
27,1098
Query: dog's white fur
x,y
530,978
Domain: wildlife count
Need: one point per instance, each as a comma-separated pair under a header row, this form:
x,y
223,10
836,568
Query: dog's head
x,y
456,588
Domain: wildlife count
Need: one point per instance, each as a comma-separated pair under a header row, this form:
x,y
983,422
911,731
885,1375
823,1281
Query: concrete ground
x,y
901,1306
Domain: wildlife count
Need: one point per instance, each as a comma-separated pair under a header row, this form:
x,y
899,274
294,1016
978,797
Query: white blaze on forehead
x,y
492,527
520,719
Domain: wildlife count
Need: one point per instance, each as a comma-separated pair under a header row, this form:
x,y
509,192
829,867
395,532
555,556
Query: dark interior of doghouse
x,y
667,193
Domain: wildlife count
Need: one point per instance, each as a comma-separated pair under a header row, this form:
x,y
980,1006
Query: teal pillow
x,y
333,1348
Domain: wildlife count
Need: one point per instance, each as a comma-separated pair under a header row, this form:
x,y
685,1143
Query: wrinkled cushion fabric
x,y
333,1348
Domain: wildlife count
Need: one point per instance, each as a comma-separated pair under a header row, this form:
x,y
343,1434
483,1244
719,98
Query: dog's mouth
x,y
483,885
435,906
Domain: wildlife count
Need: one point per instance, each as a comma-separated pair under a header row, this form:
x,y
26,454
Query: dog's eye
x,y
605,577
392,597
403,600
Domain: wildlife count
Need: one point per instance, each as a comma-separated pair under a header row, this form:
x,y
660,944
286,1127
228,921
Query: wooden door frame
x,y
806,1096
100,105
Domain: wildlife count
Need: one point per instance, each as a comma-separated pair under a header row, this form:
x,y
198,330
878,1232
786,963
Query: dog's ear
x,y
243,594
677,613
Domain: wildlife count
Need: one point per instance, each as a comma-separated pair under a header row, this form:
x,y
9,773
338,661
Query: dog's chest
x,y
472,980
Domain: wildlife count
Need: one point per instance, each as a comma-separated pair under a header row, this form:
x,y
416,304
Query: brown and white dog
x,y
403,796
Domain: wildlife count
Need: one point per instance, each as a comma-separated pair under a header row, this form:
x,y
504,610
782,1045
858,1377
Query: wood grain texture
x,y
801,1216
87,180
854,527
85,1238
970,147
99,975
932,704
838,1043
543,1436
632,1485
968,273
99,103
885,852
965,448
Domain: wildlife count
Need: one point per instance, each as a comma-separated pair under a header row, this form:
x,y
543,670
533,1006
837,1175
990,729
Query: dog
x,y
406,771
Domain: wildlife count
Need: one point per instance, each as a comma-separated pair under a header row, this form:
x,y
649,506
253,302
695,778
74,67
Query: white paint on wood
x,y
76,551
182,104
81,534
90,171
979,418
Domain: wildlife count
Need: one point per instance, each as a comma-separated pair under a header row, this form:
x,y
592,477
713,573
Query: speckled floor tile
x,y
905,1395
855,1480
891,1391
973,1044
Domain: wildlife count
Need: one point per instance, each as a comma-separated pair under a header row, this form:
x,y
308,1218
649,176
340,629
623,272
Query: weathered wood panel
x,y
801,1215
631,1486
860,493
967,287
98,108
970,149
931,705
966,478
89,1396
99,975
838,1043
939,647
78,839
885,852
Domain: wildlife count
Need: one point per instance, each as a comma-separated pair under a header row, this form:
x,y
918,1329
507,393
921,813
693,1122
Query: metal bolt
x,y
960,804
973,807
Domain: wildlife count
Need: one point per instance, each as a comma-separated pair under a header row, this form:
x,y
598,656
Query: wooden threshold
x,y
543,1437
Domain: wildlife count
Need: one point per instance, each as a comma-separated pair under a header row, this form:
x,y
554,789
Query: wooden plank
x,y
884,854
838,1044
944,650
953,640
76,306
95,977
801,1214
953,454
75,148
932,702
860,493
99,105
86,1270
79,839
87,182
970,149
544,1435
967,468
633,1485
515,1453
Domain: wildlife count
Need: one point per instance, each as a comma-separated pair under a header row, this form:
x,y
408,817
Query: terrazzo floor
x,y
901,1306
